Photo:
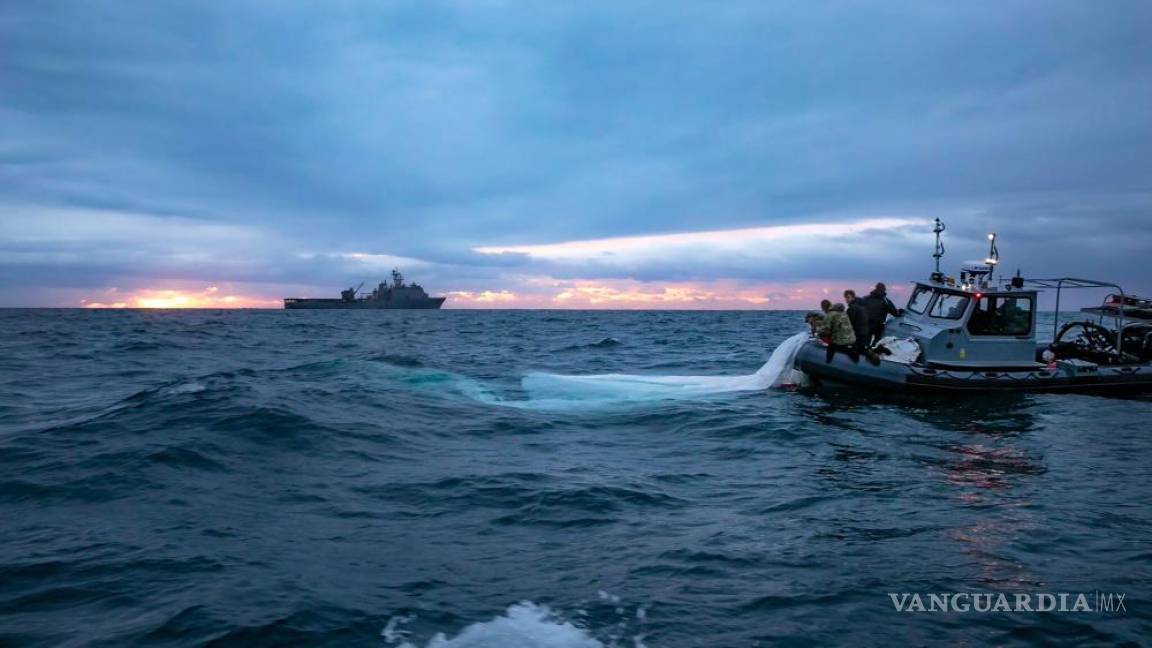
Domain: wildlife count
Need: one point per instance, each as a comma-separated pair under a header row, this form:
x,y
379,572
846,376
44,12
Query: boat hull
x,y
431,303
900,377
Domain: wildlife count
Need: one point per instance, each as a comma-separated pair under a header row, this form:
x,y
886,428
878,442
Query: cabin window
x,y
949,306
1001,315
919,299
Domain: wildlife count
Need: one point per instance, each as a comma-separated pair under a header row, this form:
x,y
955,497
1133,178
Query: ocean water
x,y
457,479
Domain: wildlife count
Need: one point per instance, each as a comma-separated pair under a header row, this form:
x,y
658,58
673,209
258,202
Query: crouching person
x,y
838,331
815,322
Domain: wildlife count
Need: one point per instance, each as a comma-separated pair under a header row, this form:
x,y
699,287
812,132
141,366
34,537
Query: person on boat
x,y
878,307
815,322
859,319
838,329
822,330
1013,319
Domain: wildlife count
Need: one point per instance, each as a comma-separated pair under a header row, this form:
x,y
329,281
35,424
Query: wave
x,y
606,343
527,625
134,346
396,360
522,499
524,625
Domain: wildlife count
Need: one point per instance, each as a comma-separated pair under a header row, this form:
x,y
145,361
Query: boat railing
x,y
1060,283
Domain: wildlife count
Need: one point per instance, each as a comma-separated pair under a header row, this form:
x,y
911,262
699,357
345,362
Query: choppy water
x,y
374,479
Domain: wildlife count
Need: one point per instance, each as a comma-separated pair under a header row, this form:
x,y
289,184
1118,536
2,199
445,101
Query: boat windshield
x,y
1001,315
949,306
919,299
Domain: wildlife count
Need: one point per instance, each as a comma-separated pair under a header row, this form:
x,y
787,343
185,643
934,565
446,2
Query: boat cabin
x,y
970,325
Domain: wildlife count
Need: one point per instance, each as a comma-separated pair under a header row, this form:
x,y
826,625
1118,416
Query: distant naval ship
x,y
399,295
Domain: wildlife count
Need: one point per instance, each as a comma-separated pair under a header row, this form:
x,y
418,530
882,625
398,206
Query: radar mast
x,y
938,276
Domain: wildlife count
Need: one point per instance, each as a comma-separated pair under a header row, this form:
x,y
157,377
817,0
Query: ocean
x,y
452,479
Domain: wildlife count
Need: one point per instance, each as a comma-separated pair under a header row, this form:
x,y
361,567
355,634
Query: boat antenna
x,y
993,254
939,244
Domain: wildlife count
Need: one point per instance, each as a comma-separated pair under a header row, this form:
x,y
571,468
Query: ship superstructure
x,y
397,295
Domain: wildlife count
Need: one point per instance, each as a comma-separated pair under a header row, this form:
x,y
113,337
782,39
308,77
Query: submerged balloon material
x,y
554,388
551,391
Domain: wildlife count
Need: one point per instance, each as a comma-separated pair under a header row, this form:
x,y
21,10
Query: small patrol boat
x,y
980,334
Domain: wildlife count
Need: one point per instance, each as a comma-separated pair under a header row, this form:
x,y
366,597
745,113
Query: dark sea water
x,y
379,478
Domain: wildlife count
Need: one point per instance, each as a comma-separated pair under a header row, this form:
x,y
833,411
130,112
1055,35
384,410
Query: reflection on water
x,y
978,451
983,468
988,473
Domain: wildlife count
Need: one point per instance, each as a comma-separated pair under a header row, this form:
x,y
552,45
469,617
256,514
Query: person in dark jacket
x,y
859,318
878,307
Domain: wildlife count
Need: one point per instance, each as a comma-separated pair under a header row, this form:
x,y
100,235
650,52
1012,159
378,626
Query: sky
x,y
623,154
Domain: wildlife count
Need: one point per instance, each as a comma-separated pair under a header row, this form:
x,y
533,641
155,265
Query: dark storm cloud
x,y
426,129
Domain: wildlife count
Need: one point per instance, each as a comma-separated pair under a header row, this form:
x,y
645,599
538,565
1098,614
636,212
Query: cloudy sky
x,y
564,154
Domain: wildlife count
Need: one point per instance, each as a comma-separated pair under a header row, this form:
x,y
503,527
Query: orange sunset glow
x,y
630,294
210,297
534,293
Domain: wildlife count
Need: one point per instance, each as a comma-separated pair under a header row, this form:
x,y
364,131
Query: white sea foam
x,y
187,387
524,625
392,632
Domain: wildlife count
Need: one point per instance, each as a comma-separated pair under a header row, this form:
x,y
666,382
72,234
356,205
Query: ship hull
x,y
899,377
431,303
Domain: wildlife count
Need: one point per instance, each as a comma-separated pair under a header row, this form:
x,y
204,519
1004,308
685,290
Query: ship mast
x,y
937,276
993,255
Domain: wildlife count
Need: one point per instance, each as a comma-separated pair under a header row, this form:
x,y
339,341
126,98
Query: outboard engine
x,y
1137,340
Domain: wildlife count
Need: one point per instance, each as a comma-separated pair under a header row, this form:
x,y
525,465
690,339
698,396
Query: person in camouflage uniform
x,y
838,329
